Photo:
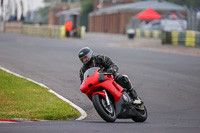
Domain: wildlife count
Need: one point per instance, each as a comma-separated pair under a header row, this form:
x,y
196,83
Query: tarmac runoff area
x,y
155,45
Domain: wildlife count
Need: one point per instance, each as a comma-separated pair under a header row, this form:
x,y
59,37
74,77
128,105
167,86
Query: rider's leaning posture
x,y
89,60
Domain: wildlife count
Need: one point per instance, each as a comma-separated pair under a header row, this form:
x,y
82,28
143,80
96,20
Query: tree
x,y
87,7
50,1
43,12
188,3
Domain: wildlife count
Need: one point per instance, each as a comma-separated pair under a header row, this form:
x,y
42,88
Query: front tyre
x,y
107,112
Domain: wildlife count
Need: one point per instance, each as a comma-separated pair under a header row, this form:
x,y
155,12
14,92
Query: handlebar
x,y
101,70
106,73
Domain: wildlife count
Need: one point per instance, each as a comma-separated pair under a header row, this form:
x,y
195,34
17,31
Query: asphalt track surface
x,y
168,83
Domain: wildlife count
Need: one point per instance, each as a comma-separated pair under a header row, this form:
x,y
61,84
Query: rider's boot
x,y
133,94
126,83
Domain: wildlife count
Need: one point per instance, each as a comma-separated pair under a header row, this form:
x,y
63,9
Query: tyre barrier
x,y
156,34
187,38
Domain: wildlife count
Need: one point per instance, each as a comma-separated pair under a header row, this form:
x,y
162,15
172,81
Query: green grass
x,y
20,98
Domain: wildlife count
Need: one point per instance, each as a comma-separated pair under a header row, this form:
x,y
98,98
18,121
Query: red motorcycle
x,y
110,100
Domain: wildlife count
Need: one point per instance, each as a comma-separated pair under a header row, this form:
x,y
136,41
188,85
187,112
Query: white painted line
x,y
83,113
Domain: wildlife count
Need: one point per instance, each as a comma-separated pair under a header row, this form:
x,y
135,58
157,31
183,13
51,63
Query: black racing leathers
x,y
100,61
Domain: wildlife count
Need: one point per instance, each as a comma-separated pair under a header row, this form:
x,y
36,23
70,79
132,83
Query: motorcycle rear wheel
x,y
106,112
141,115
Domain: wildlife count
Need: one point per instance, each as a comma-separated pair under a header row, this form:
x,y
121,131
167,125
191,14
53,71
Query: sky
x,y
35,3
29,5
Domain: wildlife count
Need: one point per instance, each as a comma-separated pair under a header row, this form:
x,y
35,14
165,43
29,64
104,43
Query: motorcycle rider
x,y
89,60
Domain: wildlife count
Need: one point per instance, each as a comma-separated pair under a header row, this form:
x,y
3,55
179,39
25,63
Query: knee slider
x,y
125,79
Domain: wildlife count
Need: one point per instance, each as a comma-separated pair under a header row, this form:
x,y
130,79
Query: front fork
x,y
107,98
105,95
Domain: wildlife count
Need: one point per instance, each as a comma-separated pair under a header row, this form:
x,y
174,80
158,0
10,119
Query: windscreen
x,y
90,72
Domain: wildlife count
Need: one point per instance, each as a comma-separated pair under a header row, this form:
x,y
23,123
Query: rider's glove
x,y
111,70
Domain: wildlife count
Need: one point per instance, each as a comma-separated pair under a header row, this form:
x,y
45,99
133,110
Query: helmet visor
x,y
85,59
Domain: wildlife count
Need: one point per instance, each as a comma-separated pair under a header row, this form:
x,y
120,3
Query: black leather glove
x,y
118,76
111,70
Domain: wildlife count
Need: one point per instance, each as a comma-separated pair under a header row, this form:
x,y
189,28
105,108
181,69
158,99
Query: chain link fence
x,y
193,19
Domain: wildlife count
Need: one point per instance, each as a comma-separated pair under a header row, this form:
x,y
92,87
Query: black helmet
x,y
86,55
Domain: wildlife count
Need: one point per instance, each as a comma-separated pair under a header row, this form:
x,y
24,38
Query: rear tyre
x,y
106,112
141,115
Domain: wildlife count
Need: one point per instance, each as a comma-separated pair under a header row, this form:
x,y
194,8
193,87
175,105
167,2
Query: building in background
x,y
72,14
100,4
52,18
64,9
113,16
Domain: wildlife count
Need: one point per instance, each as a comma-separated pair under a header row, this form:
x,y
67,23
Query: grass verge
x,y
20,98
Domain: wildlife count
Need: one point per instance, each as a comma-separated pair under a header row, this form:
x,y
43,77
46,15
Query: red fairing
x,y
111,86
101,93
90,80
92,85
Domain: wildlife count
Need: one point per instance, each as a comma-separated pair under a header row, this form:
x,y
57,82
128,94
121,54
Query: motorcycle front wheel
x,y
107,112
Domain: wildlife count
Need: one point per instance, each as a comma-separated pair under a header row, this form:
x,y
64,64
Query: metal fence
x,y
44,31
193,21
54,31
